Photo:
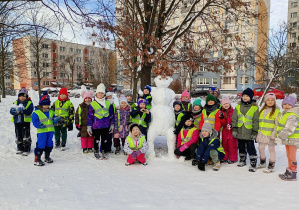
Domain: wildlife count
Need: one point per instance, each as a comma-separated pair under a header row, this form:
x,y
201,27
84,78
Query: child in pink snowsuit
x,y
81,122
185,100
229,143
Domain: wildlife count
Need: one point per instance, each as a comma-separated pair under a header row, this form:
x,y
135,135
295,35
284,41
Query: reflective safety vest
x,y
220,148
188,106
247,119
27,118
178,119
211,117
149,105
62,111
139,120
267,124
99,111
48,122
135,147
118,118
79,113
282,122
188,136
197,120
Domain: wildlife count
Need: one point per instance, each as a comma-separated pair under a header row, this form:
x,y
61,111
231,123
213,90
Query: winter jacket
x,y
291,125
261,138
242,132
187,106
136,142
97,123
35,119
226,123
19,116
196,118
205,147
178,118
217,125
137,111
64,122
194,139
84,113
124,115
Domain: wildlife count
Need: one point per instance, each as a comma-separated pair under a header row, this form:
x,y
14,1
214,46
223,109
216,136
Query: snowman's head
x,y
163,81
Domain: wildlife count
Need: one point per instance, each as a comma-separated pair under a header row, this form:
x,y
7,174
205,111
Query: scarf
x,y
101,101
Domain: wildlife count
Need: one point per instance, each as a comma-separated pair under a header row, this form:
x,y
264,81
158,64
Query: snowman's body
x,y
163,118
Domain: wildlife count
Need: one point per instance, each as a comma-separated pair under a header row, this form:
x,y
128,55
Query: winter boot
x,y
223,161
127,163
242,161
48,160
85,150
97,154
90,150
231,162
194,162
37,161
104,156
48,150
262,164
270,168
117,150
252,167
201,165
19,152
144,163
216,166
25,153
188,158
289,175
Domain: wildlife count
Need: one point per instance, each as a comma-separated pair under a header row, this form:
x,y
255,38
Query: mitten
x,y
56,120
235,134
221,116
111,128
278,141
134,155
229,127
14,111
78,127
70,127
20,108
253,137
183,147
42,126
89,130
138,153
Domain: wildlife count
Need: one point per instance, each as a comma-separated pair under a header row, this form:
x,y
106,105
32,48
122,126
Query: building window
x,y
62,57
227,80
46,74
46,83
294,4
78,67
34,73
54,78
7,84
54,50
293,44
294,24
54,60
34,64
92,61
7,77
293,35
78,51
45,46
292,74
202,68
246,80
54,68
45,55
71,49
62,75
62,49
91,52
78,59
46,65
293,14
86,79
214,81
203,81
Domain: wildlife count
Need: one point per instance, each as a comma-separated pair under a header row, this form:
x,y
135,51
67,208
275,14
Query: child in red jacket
x,y
187,140
211,113
229,143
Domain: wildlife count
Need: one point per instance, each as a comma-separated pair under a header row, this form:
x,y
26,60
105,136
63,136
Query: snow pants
x,y
139,158
230,146
271,148
247,146
101,135
44,143
23,137
87,142
60,131
189,152
117,142
291,155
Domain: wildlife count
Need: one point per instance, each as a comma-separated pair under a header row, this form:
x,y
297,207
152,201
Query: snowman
x,y
163,119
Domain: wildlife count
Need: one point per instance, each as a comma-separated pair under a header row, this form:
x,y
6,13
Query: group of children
x,y
211,134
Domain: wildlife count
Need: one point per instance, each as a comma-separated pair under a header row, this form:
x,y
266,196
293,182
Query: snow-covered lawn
x,y
79,181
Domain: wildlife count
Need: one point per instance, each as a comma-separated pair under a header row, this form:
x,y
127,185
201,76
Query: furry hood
x,y
212,136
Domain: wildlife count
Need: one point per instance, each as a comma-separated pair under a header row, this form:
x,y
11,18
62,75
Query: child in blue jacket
x,y
21,111
43,119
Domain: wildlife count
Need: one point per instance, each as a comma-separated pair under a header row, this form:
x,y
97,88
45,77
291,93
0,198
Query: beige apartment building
x,y
60,64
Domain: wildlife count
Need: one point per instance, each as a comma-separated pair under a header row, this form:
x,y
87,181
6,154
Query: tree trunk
x,y
135,82
145,76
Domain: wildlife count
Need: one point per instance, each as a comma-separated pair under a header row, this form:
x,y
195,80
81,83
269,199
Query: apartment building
x,y
59,64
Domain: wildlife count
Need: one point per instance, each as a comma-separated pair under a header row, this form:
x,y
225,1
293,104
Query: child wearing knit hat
x,y
287,133
81,122
245,123
209,147
146,94
178,112
196,112
44,120
229,143
64,109
121,119
21,111
269,114
185,100
211,113
135,145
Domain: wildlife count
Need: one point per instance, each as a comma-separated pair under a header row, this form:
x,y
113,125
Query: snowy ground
x,y
78,181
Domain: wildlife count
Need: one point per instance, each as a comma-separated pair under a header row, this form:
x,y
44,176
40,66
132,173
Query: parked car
x,y
260,91
201,91
78,90
51,90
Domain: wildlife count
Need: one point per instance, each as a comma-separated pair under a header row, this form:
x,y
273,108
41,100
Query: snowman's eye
x,y
160,79
166,78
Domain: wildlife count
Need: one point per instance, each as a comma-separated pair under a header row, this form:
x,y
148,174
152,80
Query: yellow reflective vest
x,y
197,120
220,148
282,122
139,120
135,147
210,118
178,119
247,119
27,118
99,111
267,124
48,122
62,111
188,136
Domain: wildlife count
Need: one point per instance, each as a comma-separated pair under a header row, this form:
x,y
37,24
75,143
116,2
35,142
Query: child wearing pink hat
x,y
229,142
269,114
81,122
185,100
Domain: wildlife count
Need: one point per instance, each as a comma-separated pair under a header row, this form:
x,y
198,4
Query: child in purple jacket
x,y
100,122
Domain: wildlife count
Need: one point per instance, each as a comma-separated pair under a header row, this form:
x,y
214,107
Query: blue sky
x,y
278,12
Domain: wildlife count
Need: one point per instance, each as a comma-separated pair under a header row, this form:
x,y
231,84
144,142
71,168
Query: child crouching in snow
x,y
44,120
136,146
209,146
